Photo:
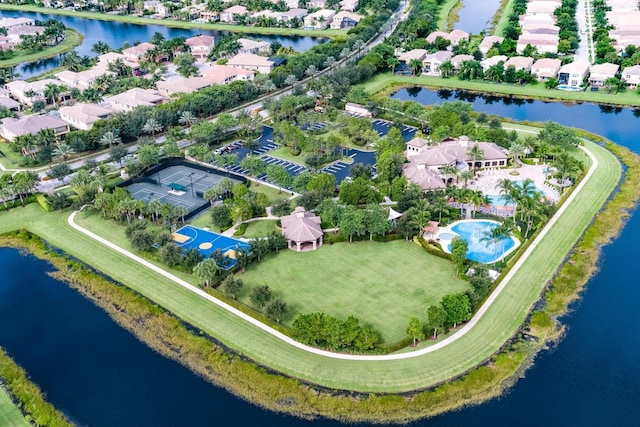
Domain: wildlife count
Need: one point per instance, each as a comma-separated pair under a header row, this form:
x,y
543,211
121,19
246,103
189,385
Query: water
x,y
115,34
475,16
474,231
100,375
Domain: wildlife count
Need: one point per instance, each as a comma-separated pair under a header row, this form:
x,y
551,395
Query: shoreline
x,y
130,19
72,40
264,388
383,85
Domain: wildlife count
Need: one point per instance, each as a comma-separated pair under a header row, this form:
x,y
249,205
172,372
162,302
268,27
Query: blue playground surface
x,y
189,237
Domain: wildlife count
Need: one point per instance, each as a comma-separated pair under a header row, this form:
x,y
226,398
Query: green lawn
x,y
272,193
499,323
260,228
443,14
504,18
72,40
383,284
10,416
131,19
536,91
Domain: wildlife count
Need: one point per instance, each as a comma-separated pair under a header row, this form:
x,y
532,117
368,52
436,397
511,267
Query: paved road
x,y
583,17
411,354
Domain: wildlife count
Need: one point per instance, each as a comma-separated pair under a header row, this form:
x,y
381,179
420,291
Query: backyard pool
x,y
475,232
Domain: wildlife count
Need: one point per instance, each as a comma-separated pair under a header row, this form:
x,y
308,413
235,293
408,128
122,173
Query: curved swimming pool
x,y
480,247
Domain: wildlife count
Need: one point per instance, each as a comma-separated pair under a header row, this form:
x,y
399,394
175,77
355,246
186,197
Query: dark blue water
x,y
100,375
475,15
116,33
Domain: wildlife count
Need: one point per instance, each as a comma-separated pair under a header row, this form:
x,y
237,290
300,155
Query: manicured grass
x,y
72,40
10,416
176,24
272,193
382,284
260,228
536,91
443,14
499,323
505,9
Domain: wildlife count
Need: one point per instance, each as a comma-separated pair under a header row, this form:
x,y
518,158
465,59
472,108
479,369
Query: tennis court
x,y
207,242
188,179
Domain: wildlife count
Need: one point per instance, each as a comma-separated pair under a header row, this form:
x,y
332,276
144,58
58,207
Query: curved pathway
x,y
396,356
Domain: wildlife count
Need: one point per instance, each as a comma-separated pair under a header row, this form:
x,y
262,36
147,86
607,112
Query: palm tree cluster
x,y
17,186
121,207
530,208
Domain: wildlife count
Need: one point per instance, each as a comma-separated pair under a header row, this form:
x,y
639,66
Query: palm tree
x,y
470,70
510,192
466,176
110,138
493,235
63,151
446,69
8,74
100,48
449,172
329,61
268,86
515,151
187,118
567,168
344,53
476,154
291,80
311,70
152,126
52,92
392,62
416,66
495,73
612,82
552,83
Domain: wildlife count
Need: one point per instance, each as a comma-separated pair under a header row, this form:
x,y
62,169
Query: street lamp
x,y
193,193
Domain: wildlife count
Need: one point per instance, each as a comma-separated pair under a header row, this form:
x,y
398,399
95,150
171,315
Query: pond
x,y
116,33
100,375
475,16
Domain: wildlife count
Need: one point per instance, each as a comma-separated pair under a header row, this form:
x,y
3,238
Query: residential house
x,y
7,103
344,19
28,92
487,43
83,115
631,76
541,7
543,43
319,20
546,68
83,79
254,46
292,14
209,15
182,85
348,5
15,22
133,98
404,67
225,74
519,63
600,73
292,4
157,8
252,62
14,33
317,4
200,46
137,53
302,230
494,60
230,15
456,36
457,60
432,37
432,62
30,125
573,74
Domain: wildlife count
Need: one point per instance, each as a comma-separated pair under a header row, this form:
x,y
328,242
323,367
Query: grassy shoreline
x,y
384,84
446,9
176,24
17,389
73,39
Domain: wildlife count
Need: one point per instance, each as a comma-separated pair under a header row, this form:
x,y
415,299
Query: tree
x,y
206,271
187,118
232,287
323,183
494,235
515,151
459,249
100,48
416,66
59,171
149,155
110,138
457,307
279,175
276,310
221,216
261,295
186,65
376,222
117,153
63,151
466,176
52,92
415,330
476,153
352,222
446,69
152,126
437,318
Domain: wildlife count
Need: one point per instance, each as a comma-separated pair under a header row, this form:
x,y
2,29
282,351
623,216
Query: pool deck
x,y
487,180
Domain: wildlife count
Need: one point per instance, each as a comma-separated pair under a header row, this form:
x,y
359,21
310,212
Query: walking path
x,y
412,354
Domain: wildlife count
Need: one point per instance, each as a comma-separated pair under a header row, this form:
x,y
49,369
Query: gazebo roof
x,y
393,214
301,226
431,226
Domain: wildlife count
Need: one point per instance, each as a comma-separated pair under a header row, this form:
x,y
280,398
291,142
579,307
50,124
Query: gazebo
x,y
431,229
302,230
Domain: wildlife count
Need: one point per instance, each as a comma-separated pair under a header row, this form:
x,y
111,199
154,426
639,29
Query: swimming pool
x,y
473,231
569,88
497,200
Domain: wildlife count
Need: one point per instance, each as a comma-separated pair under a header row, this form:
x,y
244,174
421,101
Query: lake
x,y
100,375
116,33
475,15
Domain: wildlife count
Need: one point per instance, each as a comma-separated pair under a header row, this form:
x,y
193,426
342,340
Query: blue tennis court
x,y
189,237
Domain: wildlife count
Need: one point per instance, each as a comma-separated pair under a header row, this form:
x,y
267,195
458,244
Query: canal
x,y
100,375
115,34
